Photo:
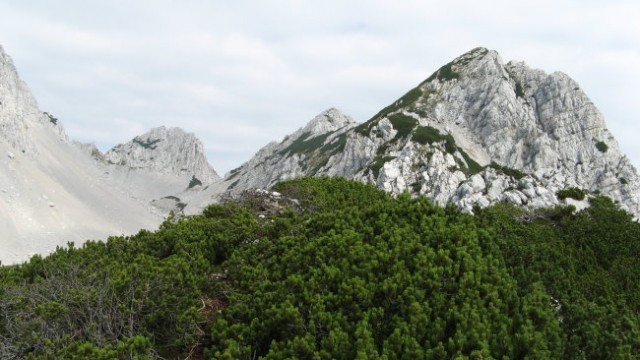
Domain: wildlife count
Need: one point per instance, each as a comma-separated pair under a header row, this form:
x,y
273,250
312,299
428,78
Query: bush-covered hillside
x,y
343,272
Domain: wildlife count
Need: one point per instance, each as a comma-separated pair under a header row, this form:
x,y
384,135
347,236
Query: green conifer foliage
x,y
344,272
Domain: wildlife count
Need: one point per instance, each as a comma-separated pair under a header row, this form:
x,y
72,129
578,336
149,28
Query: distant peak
x,y
170,150
335,116
329,120
163,131
478,57
330,112
474,54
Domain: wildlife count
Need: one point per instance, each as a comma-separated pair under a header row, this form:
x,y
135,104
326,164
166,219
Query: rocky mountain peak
x,y
329,120
481,99
475,132
479,62
476,63
165,150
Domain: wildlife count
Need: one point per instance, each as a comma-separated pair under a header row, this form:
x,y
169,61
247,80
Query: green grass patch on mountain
x,y
403,124
305,144
519,90
337,145
378,163
52,119
472,166
405,101
430,135
515,173
148,143
572,192
427,135
445,73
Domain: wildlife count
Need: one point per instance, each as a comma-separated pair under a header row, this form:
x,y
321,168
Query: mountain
x,y
303,153
159,166
54,190
165,151
329,267
476,132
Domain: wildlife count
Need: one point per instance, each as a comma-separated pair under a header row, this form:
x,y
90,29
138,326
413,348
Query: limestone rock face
x,y
54,191
19,111
476,132
306,152
166,151
50,191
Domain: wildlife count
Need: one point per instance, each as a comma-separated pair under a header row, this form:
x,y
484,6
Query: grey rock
x,y
166,151
475,133
19,111
55,190
482,111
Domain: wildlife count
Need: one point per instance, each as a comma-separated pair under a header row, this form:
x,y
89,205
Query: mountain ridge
x,y
452,137
476,132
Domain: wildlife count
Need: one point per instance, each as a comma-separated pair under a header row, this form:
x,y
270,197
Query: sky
x,y
240,74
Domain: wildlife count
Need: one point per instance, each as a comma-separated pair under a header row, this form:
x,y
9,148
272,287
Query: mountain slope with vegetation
x,y
478,131
334,269
475,133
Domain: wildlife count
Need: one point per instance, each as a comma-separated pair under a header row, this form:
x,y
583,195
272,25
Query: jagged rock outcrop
x,y
300,154
168,151
477,131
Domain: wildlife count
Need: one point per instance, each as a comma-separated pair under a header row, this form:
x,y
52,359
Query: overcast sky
x,y
240,74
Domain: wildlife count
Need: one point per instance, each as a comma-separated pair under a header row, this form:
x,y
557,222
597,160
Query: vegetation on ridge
x,y
572,192
519,90
445,73
52,119
344,272
148,143
602,146
403,124
305,143
194,182
406,100
515,173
